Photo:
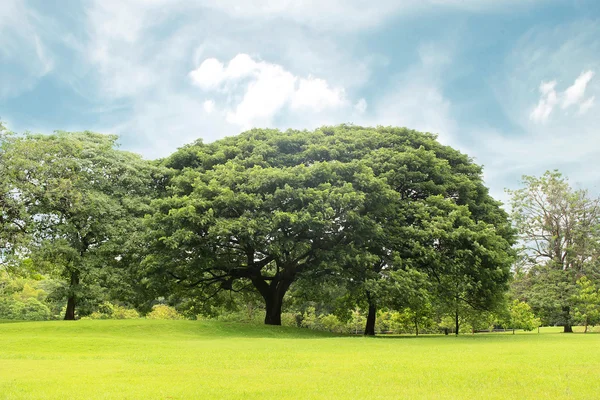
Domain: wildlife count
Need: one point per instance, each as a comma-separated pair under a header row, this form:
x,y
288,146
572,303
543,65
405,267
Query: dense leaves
x,y
267,208
80,197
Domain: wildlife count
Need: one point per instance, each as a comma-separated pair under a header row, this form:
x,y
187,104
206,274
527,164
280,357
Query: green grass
x,y
148,359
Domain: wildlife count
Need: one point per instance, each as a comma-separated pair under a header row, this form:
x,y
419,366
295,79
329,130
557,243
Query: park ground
x,y
153,359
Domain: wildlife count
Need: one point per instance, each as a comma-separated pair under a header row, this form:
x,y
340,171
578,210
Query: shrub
x,y
163,311
108,310
289,319
331,323
124,313
29,309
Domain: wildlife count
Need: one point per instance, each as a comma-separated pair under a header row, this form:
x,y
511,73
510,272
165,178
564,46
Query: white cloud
x,y
314,93
573,95
586,105
260,90
361,106
265,95
547,102
209,106
209,74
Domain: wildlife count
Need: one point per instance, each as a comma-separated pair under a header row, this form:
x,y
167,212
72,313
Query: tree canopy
x,y
80,196
266,208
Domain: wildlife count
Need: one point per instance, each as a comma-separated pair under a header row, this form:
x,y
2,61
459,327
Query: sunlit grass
x,y
149,359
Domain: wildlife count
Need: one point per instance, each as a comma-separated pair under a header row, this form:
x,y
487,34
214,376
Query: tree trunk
x,y
567,316
446,331
273,310
513,331
586,325
371,317
273,294
70,312
456,324
416,327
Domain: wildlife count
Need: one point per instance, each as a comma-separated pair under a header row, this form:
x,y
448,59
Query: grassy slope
x,y
144,359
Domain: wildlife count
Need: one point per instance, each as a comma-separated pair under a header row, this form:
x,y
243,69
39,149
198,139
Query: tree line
x,y
339,220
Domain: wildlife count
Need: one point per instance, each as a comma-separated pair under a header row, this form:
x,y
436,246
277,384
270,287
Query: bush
x,y
289,319
125,313
29,309
163,311
108,310
331,323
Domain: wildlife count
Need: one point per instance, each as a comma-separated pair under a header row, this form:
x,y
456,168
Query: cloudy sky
x,y
513,83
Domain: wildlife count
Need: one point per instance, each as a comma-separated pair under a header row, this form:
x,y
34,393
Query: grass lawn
x,y
149,359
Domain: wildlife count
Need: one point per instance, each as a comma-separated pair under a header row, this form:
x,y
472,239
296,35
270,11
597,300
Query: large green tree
x,y
266,208
559,229
84,197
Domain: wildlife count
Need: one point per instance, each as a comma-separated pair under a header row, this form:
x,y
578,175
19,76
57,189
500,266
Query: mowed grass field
x,y
149,359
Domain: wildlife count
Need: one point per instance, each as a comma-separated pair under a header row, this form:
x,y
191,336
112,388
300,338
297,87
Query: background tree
x,y
587,303
522,317
83,196
559,232
13,216
468,262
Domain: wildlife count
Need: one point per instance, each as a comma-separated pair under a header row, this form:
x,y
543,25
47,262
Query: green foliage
x,y
107,310
82,198
23,299
163,311
587,303
522,317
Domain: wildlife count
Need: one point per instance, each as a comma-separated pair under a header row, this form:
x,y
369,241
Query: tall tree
x,y
559,230
83,196
12,212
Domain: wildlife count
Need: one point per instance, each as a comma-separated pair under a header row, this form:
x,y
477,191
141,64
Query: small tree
x,y
522,317
587,303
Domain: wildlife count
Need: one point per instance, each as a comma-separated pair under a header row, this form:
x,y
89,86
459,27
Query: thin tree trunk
x,y
71,300
456,324
416,326
371,317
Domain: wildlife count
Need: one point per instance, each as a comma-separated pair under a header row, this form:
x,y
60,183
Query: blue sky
x,y
513,83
